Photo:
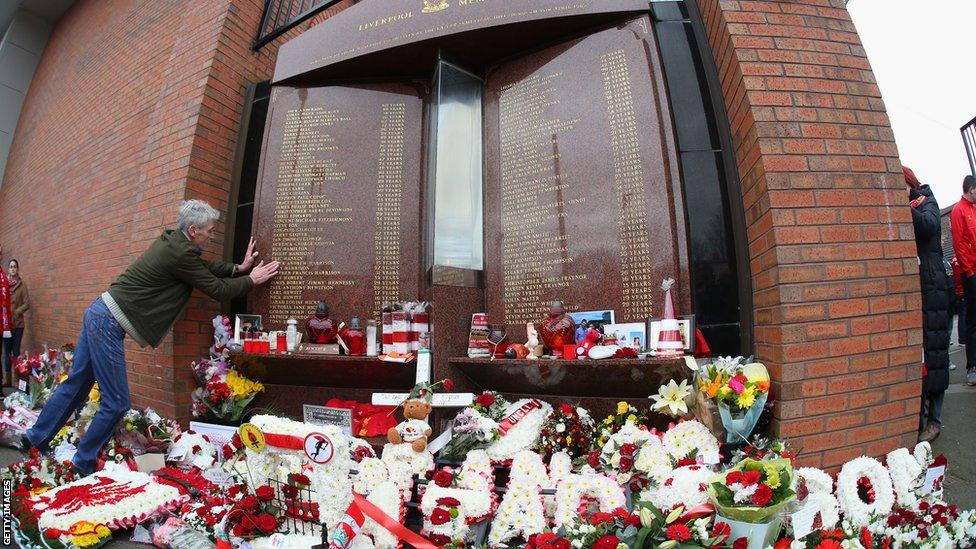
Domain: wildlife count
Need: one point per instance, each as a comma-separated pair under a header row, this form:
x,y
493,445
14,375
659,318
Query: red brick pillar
x,y
830,237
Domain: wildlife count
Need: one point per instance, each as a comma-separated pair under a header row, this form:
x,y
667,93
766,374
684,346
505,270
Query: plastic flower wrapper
x,y
471,431
753,491
225,396
144,432
207,368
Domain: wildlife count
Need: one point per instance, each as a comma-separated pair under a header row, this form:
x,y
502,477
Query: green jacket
x,y
149,296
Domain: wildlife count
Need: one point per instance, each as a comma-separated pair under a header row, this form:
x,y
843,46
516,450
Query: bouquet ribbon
x,y
386,521
517,415
287,442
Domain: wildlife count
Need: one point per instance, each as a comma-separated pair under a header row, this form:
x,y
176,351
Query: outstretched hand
x,y
264,272
249,256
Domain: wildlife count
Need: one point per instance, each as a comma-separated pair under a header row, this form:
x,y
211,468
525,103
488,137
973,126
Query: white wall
x,y
20,52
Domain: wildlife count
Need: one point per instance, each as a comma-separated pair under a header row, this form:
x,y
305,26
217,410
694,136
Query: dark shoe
x,y
25,444
79,474
930,433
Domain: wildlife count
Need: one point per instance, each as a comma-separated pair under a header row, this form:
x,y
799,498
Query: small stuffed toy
x,y
414,429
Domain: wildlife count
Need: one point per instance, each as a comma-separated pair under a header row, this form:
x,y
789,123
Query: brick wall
x,y
135,106
830,237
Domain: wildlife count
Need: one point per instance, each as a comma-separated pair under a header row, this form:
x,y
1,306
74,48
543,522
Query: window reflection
x,y
456,177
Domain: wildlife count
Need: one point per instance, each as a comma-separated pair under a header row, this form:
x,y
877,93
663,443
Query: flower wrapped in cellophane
x,y
739,390
753,491
225,396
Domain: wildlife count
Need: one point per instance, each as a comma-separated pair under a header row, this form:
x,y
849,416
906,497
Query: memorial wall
x,y
338,200
579,201
578,196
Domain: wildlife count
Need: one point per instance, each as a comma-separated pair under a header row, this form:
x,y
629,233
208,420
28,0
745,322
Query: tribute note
x,y
340,180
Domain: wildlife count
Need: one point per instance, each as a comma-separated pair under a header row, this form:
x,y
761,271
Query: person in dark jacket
x,y
935,305
143,303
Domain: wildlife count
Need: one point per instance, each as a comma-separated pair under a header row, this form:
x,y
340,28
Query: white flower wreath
x,y
372,473
654,459
608,494
388,497
828,507
904,470
688,436
142,498
403,463
560,467
687,486
521,436
818,481
522,511
854,508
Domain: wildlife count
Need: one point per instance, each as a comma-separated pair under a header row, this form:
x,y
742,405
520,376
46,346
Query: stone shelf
x,y
342,372
611,378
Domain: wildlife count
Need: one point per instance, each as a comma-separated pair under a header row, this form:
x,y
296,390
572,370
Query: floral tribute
x,y
619,455
567,429
625,414
753,491
146,431
520,429
734,384
254,514
477,426
224,392
118,499
864,489
457,499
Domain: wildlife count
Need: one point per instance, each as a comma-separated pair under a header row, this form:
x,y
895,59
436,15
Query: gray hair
x,y
197,213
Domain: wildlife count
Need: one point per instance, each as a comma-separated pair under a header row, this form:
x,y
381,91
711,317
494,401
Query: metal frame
x,y
279,27
969,140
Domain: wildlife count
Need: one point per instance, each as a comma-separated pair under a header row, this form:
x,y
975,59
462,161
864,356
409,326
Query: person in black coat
x,y
935,305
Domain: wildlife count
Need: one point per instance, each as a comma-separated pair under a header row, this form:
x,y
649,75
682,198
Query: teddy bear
x,y
414,428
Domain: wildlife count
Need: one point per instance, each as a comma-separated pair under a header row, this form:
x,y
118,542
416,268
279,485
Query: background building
x,y
135,106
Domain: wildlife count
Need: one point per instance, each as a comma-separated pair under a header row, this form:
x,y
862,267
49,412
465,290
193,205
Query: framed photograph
x,y
631,334
600,318
686,324
245,324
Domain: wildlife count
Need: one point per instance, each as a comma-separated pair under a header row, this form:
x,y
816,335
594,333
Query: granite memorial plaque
x,y
338,201
376,25
580,182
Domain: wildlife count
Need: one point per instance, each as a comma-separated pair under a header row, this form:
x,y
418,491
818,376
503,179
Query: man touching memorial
x,y
143,303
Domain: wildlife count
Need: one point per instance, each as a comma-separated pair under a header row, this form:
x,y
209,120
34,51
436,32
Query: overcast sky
x,y
922,54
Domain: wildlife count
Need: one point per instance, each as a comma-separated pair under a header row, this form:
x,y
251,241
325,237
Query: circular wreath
x,y
864,489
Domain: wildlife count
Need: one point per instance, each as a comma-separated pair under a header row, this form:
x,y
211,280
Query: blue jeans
x,y
99,356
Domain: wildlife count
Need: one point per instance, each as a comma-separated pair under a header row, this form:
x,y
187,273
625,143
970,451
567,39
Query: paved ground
x,y
957,443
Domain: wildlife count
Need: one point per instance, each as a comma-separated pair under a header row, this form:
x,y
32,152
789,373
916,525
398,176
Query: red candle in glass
x,y
354,337
569,352
282,342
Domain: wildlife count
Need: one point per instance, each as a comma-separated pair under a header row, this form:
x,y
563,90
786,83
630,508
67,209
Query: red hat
x,y
910,178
